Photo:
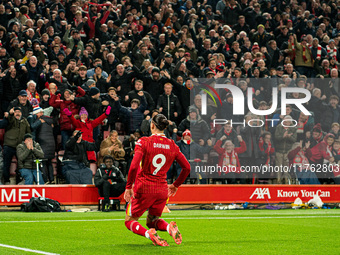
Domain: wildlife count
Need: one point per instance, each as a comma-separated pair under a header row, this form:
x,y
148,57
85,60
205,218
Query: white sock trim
x,y
168,228
147,235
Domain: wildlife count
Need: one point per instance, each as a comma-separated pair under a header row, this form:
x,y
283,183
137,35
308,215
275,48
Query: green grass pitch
x,y
204,232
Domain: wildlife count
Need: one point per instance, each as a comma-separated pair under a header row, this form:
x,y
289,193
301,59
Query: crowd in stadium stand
x,y
107,67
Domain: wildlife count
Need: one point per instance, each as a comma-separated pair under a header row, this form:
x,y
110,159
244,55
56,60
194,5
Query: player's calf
x,y
151,234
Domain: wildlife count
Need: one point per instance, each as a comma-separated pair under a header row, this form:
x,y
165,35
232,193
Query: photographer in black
x,y
75,163
110,181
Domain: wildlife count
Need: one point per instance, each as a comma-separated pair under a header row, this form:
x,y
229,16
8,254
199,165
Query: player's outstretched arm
x,y
132,175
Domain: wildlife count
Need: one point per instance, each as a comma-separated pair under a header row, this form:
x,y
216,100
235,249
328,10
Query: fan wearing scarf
x,y
190,149
298,159
302,55
331,50
228,155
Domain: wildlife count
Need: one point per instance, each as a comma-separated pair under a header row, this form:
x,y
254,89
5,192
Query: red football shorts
x,y
144,201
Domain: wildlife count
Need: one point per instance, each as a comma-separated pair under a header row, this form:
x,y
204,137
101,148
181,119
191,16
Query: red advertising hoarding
x,y
204,194
187,194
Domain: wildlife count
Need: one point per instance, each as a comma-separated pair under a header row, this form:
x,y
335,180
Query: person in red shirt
x,y
147,188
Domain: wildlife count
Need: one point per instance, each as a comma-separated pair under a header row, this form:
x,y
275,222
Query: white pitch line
x,y
28,250
187,218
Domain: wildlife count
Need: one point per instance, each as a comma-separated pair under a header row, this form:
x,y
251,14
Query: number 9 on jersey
x,y
160,164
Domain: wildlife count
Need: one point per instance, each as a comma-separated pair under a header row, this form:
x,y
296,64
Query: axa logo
x,y
261,192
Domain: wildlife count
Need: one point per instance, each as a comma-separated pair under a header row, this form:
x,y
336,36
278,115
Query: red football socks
x,y
159,224
135,227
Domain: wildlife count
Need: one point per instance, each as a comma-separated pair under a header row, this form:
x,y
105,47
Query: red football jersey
x,y
157,155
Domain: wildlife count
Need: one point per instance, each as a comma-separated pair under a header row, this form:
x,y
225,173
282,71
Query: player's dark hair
x,y
160,121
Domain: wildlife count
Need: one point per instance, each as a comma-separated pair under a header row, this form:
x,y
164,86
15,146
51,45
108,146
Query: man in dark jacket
x,y
133,94
10,87
34,71
42,128
60,81
108,100
168,104
134,114
75,164
23,103
331,113
101,82
250,136
154,85
199,128
229,132
140,53
27,152
110,181
17,127
122,80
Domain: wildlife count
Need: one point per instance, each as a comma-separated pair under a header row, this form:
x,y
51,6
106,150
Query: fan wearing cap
x,y
86,126
81,78
42,126
199,128
23,103
16,129
190,149
45,105
27,152
167,63
261,36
